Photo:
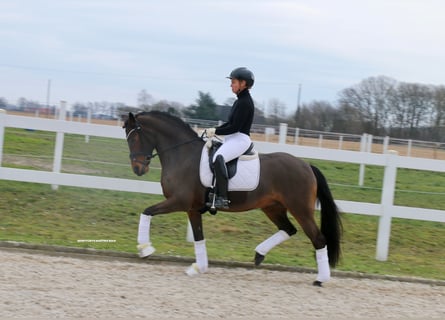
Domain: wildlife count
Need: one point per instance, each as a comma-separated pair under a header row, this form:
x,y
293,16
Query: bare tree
x,y
438,108
410,107
348,120
168,106
145,100
276,111
316,115
324,115
161,105
371,97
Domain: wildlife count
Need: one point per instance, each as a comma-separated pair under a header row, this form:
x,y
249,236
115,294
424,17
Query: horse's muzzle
x,y
139,169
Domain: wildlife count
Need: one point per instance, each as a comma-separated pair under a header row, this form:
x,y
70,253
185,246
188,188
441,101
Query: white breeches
x,y
234,145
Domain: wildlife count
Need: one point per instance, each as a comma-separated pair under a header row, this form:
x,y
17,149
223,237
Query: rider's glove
x,y
210,132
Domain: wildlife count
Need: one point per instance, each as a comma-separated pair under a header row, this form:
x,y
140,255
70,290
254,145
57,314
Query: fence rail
x,y
385,210
342,141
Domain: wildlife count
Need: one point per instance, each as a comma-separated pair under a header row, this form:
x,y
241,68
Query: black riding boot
x,y
221,175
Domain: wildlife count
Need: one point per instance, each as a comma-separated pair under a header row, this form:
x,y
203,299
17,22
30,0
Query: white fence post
x,y
297,135
385,145
369,143
2,133
269,132
408,152
87,138
58,149
361,176
283,133
387,201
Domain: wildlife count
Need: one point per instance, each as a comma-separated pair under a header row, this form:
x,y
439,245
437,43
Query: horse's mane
x,y
169,118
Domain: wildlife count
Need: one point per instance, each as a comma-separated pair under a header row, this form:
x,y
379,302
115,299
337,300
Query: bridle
x,y
133,155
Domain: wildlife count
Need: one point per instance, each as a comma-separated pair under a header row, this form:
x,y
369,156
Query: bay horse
x,y
286,183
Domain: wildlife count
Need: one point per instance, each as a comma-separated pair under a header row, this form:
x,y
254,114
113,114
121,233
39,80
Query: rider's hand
x,y
209,143
210,132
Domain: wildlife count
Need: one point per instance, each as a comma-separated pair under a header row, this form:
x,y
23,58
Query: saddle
x,y
232,165
244,172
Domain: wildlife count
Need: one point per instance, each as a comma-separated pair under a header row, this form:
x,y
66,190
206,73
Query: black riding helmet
x,y
243,73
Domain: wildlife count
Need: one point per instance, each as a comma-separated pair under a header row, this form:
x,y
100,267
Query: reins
x,y
148,157
176,146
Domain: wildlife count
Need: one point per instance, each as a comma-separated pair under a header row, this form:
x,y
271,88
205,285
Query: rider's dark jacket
x,y
241,116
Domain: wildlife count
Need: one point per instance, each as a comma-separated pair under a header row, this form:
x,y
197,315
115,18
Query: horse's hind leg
x,y
277,213
307,222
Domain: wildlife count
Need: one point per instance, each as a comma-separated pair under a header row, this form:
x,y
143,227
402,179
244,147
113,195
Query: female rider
x,y
236,131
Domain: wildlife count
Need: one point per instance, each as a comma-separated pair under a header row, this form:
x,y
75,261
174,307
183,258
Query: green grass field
x,y
34,213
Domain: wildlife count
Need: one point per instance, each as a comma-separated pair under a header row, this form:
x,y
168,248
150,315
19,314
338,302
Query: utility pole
x,y
297,113
48,90
299,96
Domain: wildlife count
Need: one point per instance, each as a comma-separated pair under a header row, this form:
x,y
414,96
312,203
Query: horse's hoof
x,y
213,211
194,270
258,259
317,283
145,250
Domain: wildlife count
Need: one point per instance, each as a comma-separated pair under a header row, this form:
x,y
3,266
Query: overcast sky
x,y
110,50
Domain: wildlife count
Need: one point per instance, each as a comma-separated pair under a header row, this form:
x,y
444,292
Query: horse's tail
x,y
331,225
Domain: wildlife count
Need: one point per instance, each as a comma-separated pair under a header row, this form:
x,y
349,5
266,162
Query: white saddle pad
x,y
247,174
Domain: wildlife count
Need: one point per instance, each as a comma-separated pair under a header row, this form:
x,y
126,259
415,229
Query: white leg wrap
x,y
144,228
324,272
144,245
202,263
265,246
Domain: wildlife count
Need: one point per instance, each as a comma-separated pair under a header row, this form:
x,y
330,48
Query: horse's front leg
x,y
202,263
144,246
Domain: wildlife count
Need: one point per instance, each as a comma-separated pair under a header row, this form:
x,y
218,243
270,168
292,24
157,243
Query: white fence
x,y
342,141
386,210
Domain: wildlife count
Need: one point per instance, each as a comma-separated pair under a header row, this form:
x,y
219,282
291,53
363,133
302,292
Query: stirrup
x,y
221,203
217,202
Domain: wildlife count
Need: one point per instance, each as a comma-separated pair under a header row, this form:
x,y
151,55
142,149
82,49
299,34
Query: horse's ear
x,y
129,120
124,117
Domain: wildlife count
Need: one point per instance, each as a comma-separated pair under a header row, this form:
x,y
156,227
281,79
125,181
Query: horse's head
x,y
141,148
